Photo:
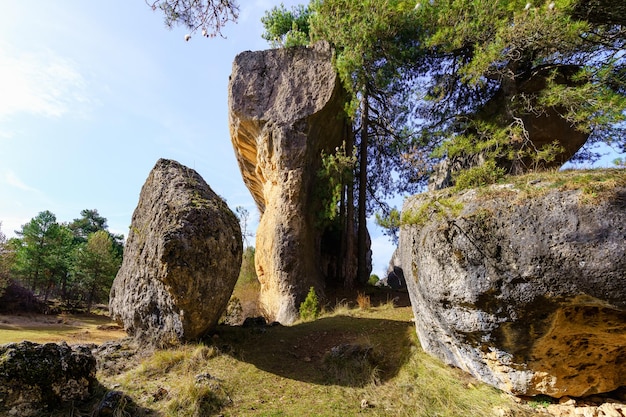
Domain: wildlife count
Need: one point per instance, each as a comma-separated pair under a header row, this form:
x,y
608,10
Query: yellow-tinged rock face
x,y
583,352
285,108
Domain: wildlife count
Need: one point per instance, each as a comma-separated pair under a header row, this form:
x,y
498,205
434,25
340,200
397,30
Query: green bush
x,y
373,280
310,307
478,176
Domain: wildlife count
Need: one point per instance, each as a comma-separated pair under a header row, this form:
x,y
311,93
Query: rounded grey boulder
x,y
524,286
181,259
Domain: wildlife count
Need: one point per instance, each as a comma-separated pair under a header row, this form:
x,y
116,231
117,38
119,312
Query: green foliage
x,y
390,222
310,307
373,280
95,266
5,262
438,206
336,171
90,222
371,38
286,28
482,48
44,254
76,262
478,176
247,273
445,63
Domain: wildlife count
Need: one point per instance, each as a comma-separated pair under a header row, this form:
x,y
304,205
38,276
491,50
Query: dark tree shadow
x,y
103,403
338,350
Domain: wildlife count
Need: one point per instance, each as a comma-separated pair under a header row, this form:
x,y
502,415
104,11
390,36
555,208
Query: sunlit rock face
x,y
524,289
181,259
286,106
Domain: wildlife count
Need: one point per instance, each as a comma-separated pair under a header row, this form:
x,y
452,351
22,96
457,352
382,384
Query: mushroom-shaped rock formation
x,y
286,106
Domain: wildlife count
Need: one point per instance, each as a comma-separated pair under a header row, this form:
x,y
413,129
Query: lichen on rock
x,y
36,378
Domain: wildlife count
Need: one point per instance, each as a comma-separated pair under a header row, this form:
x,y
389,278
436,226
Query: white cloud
x,y
12,179
41,83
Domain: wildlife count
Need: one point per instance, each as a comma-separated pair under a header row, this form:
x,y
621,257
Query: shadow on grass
x,y
102,402
302,352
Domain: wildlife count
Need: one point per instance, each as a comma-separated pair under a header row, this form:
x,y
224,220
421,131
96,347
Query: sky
x,y
93,93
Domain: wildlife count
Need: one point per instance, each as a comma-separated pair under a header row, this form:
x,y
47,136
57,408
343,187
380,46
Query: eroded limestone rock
x,y
285,107
524,289
35,379
181,259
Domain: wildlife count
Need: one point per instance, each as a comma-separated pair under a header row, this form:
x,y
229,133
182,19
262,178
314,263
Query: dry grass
x,y
290,371
281,371
92,328
363,301
595,184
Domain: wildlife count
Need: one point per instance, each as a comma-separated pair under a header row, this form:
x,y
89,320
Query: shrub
x,y
310,307
373,280
478,176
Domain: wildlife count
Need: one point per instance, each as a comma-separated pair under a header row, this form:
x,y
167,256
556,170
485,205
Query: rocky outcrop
x,y
35,379
285,107
523,286
181,259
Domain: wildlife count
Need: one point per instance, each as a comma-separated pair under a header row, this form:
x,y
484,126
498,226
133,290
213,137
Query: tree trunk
x,y
348,271
90,296
362,269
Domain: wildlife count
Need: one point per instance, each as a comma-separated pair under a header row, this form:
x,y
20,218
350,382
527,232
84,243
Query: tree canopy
x,y
286,28
5,262
75,262
509,85
526,59
95,265
474,75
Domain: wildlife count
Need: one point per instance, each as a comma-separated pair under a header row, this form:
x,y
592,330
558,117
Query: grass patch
x,y
292,371
595,184
438,206
92,328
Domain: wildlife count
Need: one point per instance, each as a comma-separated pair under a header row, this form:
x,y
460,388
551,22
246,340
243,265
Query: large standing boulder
x,y
181,259
286,106
523,286
36,379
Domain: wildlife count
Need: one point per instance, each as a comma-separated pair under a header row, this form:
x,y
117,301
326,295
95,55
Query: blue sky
x,y
92,94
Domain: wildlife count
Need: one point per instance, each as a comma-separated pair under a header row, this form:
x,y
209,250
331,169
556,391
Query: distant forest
x,y
74,262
